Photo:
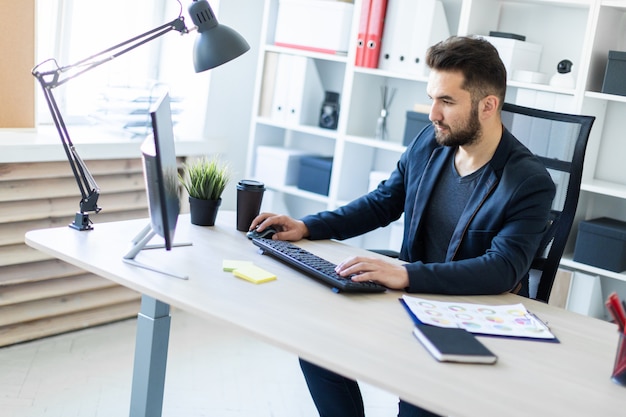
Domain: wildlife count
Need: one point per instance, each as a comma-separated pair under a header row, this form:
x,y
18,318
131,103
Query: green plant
x,y
205,178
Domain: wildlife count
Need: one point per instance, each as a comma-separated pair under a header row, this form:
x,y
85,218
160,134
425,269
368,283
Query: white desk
x,y
364,336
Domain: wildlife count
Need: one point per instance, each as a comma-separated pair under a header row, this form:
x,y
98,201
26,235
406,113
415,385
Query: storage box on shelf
x,y
602,243
315,174
415,122
276,166
316,25
516,54
614,80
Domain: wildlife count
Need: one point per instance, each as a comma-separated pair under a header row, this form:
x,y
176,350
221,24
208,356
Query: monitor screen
x,y
161,172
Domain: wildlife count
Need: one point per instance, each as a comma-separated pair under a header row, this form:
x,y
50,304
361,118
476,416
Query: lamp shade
x,y
216,44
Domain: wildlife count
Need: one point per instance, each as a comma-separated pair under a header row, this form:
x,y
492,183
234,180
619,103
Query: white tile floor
x,y
212,370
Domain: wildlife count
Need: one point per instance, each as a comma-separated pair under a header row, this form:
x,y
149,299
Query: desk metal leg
x,y
153,328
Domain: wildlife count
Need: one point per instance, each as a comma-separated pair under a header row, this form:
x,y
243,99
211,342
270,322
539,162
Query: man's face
x,y
452,112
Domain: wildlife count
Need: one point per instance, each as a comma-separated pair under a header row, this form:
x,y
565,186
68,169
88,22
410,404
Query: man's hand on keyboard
x,y
373,269
287,227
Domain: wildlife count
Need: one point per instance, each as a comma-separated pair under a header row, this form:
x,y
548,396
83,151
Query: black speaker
x,y
329,115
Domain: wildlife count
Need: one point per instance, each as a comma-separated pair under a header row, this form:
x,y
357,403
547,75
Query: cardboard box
x,y
315,174
602,243
316,25
614,76
517,55
277,166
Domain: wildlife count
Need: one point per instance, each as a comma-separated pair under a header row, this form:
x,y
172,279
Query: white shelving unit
x,y
582,31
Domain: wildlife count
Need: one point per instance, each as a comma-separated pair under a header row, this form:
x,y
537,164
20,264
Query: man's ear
x,y
489,106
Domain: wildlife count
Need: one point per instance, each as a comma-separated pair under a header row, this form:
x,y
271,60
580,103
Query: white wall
x,y
229,108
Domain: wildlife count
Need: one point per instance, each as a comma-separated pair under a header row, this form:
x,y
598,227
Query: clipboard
x,y
520,325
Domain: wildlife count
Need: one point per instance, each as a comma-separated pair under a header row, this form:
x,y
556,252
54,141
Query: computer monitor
x,y
161,179
161,172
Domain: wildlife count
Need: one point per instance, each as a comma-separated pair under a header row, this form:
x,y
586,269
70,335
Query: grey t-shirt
x,y
444,209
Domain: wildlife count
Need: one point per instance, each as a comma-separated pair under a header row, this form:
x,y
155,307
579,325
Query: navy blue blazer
x,y
496,237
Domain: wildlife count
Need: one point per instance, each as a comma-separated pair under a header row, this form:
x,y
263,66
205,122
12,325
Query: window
x,y
117,94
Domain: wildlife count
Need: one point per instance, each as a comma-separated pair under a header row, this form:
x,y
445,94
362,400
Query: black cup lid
x,y
251,185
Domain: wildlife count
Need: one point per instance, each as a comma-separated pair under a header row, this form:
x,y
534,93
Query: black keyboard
x,y
312,264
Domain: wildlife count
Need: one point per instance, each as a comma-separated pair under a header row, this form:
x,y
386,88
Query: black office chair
x,y
560,141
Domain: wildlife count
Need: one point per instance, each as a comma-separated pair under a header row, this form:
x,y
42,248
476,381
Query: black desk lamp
x,y
215,45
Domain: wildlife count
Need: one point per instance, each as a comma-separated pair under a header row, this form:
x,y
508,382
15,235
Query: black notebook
x,y
453,344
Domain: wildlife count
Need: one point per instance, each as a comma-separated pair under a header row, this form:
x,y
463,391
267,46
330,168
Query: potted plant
x,y
205,180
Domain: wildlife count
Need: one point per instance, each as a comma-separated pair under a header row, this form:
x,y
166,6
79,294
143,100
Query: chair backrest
x,y
559,140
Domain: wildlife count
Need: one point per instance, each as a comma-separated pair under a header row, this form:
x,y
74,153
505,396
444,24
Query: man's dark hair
x,y
476,59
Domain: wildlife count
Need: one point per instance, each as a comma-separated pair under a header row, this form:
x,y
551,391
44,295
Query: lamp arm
x,y
93,61
53,78
88,188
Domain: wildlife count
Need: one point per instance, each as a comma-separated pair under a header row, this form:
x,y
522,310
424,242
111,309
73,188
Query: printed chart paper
x,y
500,320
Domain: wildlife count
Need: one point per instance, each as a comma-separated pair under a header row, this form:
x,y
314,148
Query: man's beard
x,y
465,135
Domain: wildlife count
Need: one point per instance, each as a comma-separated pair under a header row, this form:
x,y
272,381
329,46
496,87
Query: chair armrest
x,y
387,252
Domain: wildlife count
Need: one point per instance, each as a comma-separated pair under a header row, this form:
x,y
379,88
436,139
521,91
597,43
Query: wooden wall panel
x,y
41,296
17,43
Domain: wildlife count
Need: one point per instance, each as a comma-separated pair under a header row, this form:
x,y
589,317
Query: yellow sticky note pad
x,y
230,265
254,274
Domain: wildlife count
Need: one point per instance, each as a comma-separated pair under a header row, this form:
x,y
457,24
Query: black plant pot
x,y
203,212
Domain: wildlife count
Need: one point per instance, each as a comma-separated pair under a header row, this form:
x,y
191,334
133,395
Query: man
x,y
476,204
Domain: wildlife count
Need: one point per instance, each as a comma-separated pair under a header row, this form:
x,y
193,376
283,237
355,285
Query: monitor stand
x,y
140,242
